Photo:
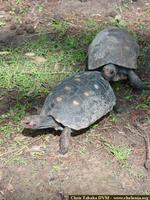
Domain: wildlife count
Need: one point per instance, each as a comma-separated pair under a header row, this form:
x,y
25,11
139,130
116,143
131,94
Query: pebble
x,y
30,54
13,26
19,31
29,28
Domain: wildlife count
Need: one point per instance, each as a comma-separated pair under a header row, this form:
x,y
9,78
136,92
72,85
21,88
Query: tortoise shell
x,y
80,100
113,45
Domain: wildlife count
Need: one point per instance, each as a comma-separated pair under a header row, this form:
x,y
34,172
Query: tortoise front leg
x,y
64,140
135,81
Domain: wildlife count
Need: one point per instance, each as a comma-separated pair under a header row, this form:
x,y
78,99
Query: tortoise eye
x,y
111,72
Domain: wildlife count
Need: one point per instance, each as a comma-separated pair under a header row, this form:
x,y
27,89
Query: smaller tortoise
x,y
74,104
115,51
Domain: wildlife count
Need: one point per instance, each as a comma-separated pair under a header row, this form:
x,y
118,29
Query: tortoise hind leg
x,y
64,140
135,81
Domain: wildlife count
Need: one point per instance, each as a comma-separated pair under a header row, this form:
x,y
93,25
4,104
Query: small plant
x,y
7,130
121,153
71,42
118,21
2,23
143,106
18,112
40,8
94,126
18,160
91,24
88,37
38,154
56,168
91,29
128,95
18,1
113,118
60,26
82,150
141,26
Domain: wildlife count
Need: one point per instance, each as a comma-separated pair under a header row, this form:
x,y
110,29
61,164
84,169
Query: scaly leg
x,y
64,140
135,81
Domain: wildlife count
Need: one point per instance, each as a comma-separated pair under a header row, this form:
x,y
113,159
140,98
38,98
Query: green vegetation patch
x,y
120,152
52,61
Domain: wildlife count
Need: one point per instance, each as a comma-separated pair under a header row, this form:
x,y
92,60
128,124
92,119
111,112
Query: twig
x,y
135,132
147,144
5,191
147,161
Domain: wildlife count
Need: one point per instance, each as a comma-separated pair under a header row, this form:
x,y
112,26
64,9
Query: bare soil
x,y
89,167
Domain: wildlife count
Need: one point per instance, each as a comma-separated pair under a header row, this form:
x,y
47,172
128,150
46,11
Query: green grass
x,y
56,168
113,118
18,1
83,150
7,130
120,152
17,112
61,26
2,23
118,21
142,106
18,160
91,25
128,95
40,8
20,72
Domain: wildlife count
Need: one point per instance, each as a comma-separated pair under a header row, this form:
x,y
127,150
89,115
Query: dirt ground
x,y
89,167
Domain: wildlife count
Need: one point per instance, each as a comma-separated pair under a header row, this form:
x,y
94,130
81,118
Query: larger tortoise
x,y
115,51
74,104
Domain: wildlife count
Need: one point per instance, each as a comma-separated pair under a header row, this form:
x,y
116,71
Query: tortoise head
x,y
32,122
109,71
39,122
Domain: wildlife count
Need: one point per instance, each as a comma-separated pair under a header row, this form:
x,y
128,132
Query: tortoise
x,y
74,104
115,52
